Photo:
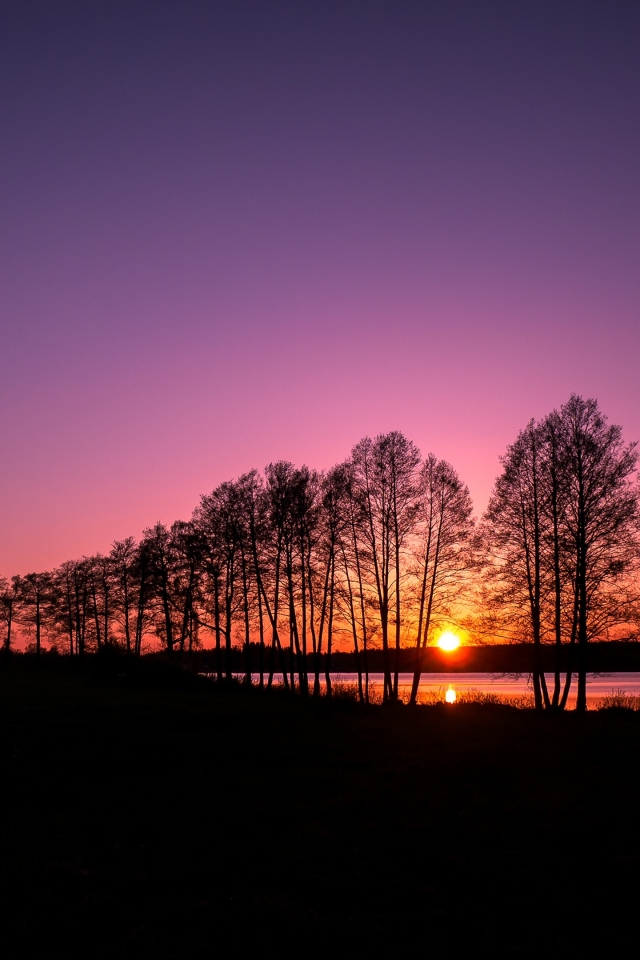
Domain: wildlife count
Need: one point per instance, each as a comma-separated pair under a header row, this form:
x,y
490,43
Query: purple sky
x,y
239,232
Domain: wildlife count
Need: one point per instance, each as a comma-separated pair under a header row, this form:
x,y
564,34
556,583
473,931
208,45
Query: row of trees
x,y
374,551
380,551
561,542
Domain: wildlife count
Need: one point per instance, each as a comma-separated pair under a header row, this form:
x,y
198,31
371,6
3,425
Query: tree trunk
x,y
247,631
581,700
125,601
218,628
330,628
323,612
38,623
420,643
7,639
261,627
352,615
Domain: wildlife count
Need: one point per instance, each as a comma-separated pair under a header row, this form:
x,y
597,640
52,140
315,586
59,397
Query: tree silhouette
x,y
375,553
7,604
561,531
385,472
32,593
443,556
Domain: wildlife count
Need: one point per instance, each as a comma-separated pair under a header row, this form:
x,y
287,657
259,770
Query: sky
x,y
233,233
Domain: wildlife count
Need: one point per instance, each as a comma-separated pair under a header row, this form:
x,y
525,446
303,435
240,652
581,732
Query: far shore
x,y
614,656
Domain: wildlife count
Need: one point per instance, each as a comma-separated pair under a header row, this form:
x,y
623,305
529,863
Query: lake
x,y
598,685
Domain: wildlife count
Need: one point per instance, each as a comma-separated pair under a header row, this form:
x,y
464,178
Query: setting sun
x,y
449,641
450,695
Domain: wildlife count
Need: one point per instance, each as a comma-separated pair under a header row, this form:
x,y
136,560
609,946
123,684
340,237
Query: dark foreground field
x,y
176,823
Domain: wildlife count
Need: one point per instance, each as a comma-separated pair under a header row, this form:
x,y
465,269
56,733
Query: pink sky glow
x,y
226,243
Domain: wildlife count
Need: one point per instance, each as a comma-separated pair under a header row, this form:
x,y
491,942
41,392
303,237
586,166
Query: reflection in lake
x,y
435,685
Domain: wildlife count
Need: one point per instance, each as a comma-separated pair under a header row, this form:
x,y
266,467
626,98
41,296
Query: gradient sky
x,y
238,232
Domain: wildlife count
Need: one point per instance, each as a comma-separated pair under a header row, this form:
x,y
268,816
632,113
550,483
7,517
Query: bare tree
x,y
355,559
123,557
442,548
602,517
7,602
562,534
282,481
514,533
158,549
218,520
32,593
323,574
385,471
262,507
99,576
185,577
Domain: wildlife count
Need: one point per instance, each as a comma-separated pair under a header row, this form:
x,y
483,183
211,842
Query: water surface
x,y
504,685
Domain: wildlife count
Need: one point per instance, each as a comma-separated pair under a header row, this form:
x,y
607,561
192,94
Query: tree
x,y
218,520
32,593
282,481
7,602
601,518
562,536
354,557
69,598
99,577
123,557
514,534
295,520
185,577
328,546
158,551
265,544
444,531
385,473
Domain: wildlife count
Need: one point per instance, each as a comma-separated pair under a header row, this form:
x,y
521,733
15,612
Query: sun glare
x,y
450,695
449,641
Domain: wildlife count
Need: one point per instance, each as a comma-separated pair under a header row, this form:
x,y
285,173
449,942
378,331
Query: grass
x,y
619,700
195,822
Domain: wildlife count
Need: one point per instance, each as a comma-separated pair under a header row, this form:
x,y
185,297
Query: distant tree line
x,y
380,551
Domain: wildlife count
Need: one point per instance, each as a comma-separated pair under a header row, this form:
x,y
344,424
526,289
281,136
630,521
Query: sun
x,y
449,641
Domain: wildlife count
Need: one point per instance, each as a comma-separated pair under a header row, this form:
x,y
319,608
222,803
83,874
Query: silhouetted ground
x,y
195,822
